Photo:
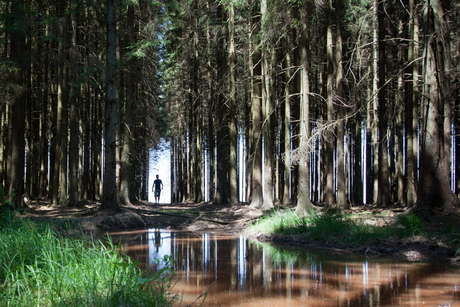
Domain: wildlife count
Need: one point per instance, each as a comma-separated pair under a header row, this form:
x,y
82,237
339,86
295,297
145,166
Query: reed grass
x,y
40,268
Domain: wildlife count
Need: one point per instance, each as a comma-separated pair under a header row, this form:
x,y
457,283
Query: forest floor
x,y
220,219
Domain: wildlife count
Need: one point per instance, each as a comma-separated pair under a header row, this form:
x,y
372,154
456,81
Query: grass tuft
x,y
412,224
337,229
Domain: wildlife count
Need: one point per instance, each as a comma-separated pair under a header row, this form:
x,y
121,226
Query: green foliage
x,y
286,222
280,254
335,228
412,224
6,212
40,268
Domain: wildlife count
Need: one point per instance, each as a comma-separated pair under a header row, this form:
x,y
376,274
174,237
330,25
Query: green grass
x,y
40,268
336,228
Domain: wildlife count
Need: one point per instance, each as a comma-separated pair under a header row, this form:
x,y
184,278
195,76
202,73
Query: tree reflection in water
x,y
251,274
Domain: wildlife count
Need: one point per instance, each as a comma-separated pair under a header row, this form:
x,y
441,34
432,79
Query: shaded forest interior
x,y
331,103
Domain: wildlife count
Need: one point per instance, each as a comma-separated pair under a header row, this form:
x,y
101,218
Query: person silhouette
x,y
156,188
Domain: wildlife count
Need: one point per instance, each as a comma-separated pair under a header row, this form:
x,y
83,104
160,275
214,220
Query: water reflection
x,y
259,275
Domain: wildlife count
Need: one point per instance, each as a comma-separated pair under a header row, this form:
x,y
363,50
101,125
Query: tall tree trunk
x,y
445,62
59,189
30,167
434,189
383,171
357,198
223,120
303,197
266,126
233,166
411,107
198,142
375,103
74,129
369,176
211,114
16,175
63,95
198,127
296,114
399,180
286,142
330,189
109,196
341,180
256,155
127,107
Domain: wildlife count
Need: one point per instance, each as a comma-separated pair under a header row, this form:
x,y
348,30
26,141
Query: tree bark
x,y
399,101
411,106
329,140
233,166
383,198
16,175
109,196
266,125
341,179
74,129
223,128
303,198
256,155
286,129
434,187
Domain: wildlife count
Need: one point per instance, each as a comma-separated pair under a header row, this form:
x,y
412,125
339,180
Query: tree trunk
x,y
74,129
109,196
266,126
256,155
16,175
63,85
223,120
211,115
127,107
341,179
434,189
303,197
399,172
233,166
329,139
375,103
286,143
411,106
383,198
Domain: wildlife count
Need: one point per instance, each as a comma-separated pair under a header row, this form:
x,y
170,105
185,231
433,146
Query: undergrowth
x,y
40,268
342,229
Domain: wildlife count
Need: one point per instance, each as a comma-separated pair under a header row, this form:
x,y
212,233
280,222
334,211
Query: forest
x,y
331,102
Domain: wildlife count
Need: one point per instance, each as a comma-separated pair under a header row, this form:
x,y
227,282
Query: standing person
x,y
157,187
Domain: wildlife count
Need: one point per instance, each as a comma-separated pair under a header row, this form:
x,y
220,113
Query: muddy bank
x,y
235,220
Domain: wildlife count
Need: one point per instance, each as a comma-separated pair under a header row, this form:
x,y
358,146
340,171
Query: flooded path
x,y
243,273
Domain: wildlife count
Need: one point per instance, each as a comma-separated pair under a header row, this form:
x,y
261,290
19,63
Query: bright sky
x,y
160,165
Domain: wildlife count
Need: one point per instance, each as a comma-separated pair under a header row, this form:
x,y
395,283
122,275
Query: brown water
x,y
243,273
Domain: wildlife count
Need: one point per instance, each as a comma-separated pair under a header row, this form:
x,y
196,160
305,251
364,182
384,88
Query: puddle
x,y
244,273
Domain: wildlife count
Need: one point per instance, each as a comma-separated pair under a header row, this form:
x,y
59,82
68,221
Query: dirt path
x,y
203,217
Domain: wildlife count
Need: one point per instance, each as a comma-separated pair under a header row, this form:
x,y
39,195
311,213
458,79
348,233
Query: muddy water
x,y
242,273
